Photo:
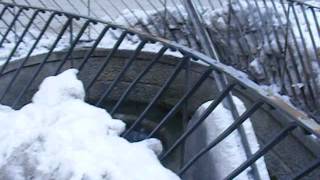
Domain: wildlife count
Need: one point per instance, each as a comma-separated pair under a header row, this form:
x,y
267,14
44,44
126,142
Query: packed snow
x,y
59,136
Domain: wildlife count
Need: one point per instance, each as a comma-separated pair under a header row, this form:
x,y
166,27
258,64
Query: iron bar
x,y
202,118
163,88
134,82
13,51
122,72
307,170
45,59
93,47
104,10
298,52
111,53
45,6
310,33
316,21
1,18
276,140
308,77
41,17
235,125
73,45
6,90
185,97
287,49
150,18
221,80
10,26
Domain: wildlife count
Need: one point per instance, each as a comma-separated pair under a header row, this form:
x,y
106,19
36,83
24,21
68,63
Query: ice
x,y
59,136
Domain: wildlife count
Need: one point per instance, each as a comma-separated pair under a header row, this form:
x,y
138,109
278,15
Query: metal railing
x,y
34,38
276,43
279,39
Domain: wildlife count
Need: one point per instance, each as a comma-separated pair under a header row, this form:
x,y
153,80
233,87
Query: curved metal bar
x,y
294,117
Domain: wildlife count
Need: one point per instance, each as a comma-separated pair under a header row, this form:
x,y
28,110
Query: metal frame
x,y
298,83
294,118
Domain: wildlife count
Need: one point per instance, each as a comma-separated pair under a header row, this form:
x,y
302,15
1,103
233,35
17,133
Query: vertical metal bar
x,y
239,25
287,49
73,7
6,90
287,13
73,45
13,51
120,13
114,50
93,47
185,106
189,28
134,82
1,14
24,13
203,117
15,28
163,14
315,90
281,69
201,6
122,72
150,18
56,4
221,80
163,88
41,18
103,9
276,140
10,26
211,5
310,33
185,97
45,59
307,170
94,14
236,124
315,20
70,44
264,24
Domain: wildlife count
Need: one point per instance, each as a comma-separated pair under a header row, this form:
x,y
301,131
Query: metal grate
x,y
70,35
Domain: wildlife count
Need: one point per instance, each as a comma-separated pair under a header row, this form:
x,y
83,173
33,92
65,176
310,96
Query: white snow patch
x,y
230,154
59,136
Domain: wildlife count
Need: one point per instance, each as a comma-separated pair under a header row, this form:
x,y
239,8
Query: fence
x,y
43,31
276,42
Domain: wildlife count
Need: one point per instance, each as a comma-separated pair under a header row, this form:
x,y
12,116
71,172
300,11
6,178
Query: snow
x,y
230,154
59,136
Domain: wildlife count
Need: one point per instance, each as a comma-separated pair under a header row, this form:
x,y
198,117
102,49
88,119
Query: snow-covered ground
x,y
59,136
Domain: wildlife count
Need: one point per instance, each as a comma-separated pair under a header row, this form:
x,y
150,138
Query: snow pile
x,y
228,154
59,136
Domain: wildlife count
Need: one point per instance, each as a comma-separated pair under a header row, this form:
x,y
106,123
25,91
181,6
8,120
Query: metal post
x,y
221,80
